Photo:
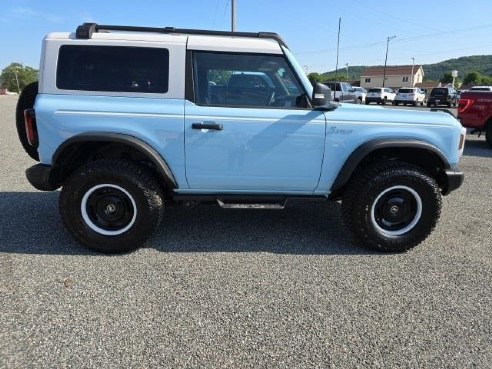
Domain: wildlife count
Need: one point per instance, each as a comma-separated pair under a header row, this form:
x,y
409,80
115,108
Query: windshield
x,y
378,90
300,73
406,90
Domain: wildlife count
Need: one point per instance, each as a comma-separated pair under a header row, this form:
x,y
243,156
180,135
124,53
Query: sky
x,y
429,31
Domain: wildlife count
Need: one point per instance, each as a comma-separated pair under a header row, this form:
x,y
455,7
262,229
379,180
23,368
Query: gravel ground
x,y
242,288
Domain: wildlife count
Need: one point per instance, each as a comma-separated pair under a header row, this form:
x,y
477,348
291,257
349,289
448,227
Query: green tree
x,y
314,77
338,78
16,76
486,81
472,78
446,78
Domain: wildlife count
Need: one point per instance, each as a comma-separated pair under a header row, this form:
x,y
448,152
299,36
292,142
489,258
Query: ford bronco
x,y
127,120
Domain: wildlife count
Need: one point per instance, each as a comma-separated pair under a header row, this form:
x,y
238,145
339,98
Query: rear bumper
x,y
373,99
453,180
404,101
40,177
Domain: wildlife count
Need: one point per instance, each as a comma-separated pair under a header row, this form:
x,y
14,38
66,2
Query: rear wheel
x,y
391,206
111,205
26,101
385,100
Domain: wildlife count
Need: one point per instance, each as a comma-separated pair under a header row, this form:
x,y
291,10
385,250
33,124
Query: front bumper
x,y
40,177
453,179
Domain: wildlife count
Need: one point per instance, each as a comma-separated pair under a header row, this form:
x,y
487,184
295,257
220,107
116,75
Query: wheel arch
x,y
80,148
412,151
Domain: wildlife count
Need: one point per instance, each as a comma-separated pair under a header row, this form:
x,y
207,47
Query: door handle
x,y
208,125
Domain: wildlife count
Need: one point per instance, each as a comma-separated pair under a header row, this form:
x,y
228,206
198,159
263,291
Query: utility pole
x,y
233,15
413,64
386,59
17,80
306,68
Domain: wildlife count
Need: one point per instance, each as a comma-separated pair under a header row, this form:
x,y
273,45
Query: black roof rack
x,y
86,30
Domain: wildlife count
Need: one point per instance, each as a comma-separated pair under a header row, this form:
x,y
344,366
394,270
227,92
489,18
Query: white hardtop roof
x,y
233,43
195,42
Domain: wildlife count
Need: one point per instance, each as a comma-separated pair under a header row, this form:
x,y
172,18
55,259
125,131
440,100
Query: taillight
x,y
31,128
464,104
462,142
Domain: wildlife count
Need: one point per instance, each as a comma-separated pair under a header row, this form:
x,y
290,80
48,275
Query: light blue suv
x,y
129,119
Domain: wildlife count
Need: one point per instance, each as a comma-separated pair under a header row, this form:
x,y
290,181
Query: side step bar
x,y
228,201
246,205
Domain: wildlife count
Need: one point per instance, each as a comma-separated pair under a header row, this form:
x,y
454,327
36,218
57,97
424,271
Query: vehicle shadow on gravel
x,y
477,148
31,225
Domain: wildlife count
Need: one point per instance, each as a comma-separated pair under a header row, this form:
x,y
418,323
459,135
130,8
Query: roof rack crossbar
x,y
86,30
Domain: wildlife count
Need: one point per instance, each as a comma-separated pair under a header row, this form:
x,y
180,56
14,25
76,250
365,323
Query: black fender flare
x,y
136,143
366,148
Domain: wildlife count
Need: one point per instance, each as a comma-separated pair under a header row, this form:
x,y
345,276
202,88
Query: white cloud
x,y
24,12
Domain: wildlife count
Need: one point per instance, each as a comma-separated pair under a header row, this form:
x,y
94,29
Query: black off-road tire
x,y
488,134
26,101
101,191
361,209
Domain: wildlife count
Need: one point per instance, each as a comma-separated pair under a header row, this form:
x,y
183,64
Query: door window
x,y
244,80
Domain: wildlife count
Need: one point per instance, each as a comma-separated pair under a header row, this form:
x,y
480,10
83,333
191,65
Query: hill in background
x,y
434,72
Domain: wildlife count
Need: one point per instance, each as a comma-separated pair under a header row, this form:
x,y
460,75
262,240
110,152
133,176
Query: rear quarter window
x,y
113,69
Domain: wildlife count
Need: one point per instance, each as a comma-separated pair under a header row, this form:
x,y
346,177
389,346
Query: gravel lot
x,y
243,288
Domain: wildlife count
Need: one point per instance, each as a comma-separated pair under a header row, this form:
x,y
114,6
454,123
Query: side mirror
x,y
321,95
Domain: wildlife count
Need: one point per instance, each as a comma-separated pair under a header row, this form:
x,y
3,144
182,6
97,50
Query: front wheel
x,y
391,206
111,205
488,135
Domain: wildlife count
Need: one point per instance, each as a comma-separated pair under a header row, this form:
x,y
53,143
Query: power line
x,y
225,11
418,37
215,13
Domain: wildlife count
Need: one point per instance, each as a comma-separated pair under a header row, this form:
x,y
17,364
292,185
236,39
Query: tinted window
x,y
113,69
439,91
244,80
378,90
406,90
331,85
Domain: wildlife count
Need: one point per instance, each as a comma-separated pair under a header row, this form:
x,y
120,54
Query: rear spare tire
x,y
26,101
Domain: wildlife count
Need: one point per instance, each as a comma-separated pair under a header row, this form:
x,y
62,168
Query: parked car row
x,y
344,92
